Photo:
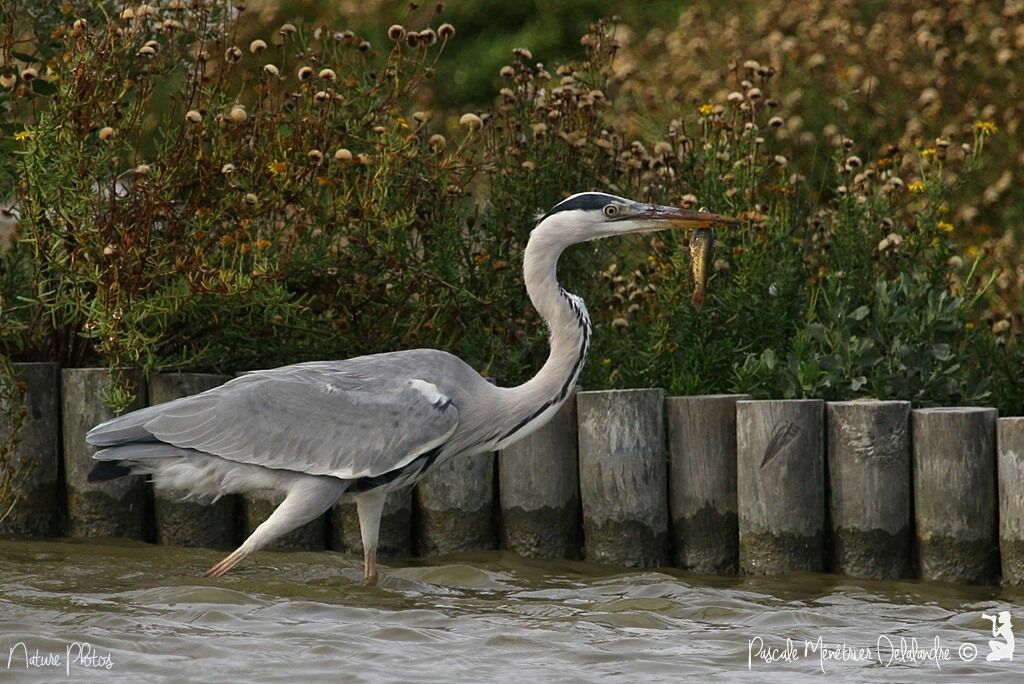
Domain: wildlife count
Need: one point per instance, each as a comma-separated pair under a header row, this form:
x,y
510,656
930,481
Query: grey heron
x,y
371,424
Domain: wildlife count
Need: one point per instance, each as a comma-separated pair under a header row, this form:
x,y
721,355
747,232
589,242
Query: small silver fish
x,y
701,241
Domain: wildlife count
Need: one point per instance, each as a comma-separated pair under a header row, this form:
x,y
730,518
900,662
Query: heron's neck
x,y
568,322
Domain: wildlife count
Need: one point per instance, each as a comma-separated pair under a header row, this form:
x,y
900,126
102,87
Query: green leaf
x,y
942,352
860,313
43,87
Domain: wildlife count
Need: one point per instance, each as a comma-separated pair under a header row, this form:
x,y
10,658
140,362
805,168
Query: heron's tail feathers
x,y
196,475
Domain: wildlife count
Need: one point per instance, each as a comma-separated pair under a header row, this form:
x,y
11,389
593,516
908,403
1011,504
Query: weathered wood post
x,y
1010,440
115,508
702,482
455,507
955,493
538,480
186,523
870,489
395,539
623,479
37,454
256,506
780,477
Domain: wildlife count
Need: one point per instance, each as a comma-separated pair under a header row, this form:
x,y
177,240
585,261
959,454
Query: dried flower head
x,y
471,121
146,51
193,116
343,154
227,169
251,198
428,36
257,46
141,169
522,53
271,70
29,74
446,31
305,73
437,140
328,75
287,29
396,32
315,156
238,113
106,133
233,54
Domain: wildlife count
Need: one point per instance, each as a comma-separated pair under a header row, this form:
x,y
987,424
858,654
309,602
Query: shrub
x,y
189,199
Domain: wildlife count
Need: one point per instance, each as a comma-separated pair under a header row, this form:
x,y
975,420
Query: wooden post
x,y
955,493
186,523
115,508
780,477
455,507
1010,438
869,488
702,482
538,480
395,539
623,479
37,511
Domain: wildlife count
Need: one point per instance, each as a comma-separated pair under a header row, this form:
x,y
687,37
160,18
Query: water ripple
x,y
289,617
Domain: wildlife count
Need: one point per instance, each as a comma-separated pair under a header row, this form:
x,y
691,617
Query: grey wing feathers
x,y
302,418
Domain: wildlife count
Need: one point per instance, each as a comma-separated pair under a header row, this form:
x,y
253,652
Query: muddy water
x,y
304,617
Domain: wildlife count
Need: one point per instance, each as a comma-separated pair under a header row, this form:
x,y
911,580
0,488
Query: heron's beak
x,y
671,217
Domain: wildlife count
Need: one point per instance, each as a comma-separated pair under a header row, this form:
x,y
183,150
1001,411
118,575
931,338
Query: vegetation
x,y
195,192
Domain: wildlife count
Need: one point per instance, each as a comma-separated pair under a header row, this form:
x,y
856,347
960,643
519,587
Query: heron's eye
x,y
611,211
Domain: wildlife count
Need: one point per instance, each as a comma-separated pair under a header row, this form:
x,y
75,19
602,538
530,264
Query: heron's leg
x,y
370,505
308,497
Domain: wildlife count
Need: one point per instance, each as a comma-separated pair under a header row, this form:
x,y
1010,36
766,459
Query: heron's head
x,y
591,215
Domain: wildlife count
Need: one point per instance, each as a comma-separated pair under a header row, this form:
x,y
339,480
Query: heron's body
x,y
371,424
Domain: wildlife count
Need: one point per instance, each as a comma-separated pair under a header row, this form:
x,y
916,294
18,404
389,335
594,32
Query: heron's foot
x,y
370,567
230,561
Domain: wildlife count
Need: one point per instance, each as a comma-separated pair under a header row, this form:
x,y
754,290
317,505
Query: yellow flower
x,y
985,127
22,135
971,251
916,186
928,152
262,244
277,167
945,227
706,109
969,325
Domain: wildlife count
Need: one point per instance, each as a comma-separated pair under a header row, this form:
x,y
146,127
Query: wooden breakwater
x,y
711,484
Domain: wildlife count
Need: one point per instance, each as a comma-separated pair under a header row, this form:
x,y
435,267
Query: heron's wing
x,y
312,421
